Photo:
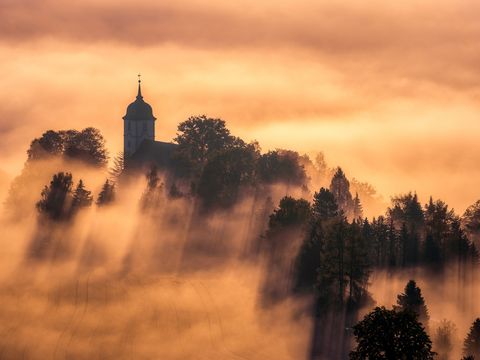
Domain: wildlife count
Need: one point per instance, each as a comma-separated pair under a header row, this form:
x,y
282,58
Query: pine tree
x,y
107,195
444,339
81,197
471,345
412,300
152,195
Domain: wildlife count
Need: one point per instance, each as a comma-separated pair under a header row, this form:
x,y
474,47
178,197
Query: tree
x,y
49,144
406,214
471,220
412,300
471,345
357,209
88,146
324,204
107,194
308,261
81,197
56,198
117,167
290,212
199,138
389,334
443,340
340,188
281,166
226,173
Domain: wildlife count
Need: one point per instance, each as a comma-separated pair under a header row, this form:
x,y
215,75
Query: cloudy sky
x,y
390,91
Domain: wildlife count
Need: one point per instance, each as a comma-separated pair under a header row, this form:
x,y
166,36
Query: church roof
x,y
139,110
151,152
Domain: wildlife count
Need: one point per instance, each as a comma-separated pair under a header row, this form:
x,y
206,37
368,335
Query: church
x,y
139,146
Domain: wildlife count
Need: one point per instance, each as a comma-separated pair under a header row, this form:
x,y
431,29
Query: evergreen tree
x,y
412,300
107,194
324,205
81,197
389,334
471,345
340,188
56,198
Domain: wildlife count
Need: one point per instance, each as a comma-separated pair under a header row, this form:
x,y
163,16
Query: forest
x,y
316,238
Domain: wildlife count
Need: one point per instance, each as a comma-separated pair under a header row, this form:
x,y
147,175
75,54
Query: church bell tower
x,y
138,124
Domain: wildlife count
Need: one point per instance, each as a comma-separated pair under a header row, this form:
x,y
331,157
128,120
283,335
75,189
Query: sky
x,y
389,91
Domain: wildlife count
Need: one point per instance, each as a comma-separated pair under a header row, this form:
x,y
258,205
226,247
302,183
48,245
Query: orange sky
x,y
389,91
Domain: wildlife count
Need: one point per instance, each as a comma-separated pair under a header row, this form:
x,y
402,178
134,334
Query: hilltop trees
x,y
87,146
389,334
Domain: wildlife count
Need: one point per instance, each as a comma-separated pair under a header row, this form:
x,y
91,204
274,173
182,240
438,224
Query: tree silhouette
x,y
87,145
107,194
199,138
340,188
324,204
226,173
81,197
281,166
117,167
357,209
471,345
389,334
56,198
412,300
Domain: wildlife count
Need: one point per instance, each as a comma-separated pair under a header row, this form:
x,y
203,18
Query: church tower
x,y
138,124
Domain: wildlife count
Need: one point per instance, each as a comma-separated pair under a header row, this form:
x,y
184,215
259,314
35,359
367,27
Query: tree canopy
x,y
389,334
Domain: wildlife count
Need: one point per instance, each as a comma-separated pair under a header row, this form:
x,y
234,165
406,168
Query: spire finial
x,y
139,95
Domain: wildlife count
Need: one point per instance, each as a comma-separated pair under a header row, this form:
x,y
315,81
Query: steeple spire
x,y
139,95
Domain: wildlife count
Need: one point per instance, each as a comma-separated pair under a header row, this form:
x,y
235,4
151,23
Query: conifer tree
x,y
412,300
340,188
81,197
107,195
471,345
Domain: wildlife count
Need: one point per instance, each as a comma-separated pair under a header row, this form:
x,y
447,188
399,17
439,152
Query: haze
x,y
388,91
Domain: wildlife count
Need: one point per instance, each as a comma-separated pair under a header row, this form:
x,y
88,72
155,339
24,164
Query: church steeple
x,y
139,123
139,94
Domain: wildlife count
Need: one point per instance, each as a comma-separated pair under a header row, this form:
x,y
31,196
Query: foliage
x,y
412,300
81,197
226,173
87,145
281,166
56,198
107,194
471,345
390,334
340,188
